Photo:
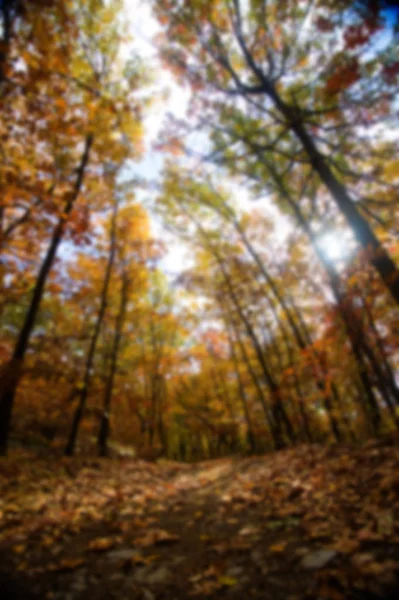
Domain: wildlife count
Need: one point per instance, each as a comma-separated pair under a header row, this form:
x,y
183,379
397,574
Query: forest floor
x,y
305,523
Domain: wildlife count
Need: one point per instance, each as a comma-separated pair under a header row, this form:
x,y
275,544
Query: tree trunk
x,y
104,426
243,396
12,371
278,409
384,362
255,379
379,257
381,260
84,391
6,23
333,277
162,429
301,340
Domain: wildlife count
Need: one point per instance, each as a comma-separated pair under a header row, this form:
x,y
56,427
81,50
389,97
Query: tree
x,y
249,65
83,390
91,67
261,300
12,371
134,252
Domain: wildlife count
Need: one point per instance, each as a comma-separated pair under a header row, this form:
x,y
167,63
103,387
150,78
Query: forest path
x,y
305,523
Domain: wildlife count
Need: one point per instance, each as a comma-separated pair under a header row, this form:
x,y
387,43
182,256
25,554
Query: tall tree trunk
x,y
243,396
6,24
300,394
104,425
387,392
333,278
278,408
161,426
318,357
302,340
276,400
84,390
383,358
247,361
321,381
11,375
274,349
157,350
380,258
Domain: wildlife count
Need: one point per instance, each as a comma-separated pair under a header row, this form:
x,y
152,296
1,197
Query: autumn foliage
x,y
262,339
199,269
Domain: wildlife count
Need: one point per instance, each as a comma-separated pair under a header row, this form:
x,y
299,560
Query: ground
x,y
306,523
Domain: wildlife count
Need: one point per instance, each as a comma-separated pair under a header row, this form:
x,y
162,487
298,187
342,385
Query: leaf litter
x,y
305,523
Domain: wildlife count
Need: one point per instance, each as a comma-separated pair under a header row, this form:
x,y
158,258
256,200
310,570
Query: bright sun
x,y
337,246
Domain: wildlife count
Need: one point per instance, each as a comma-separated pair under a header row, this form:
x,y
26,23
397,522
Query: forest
x,y
199,289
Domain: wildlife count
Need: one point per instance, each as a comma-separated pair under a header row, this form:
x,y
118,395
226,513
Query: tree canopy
x,y
280,184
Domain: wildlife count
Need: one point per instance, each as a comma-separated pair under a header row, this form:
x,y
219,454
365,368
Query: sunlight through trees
x,y
277,176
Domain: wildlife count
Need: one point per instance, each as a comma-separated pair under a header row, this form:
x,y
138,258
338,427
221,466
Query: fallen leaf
x,y
277,548
101,544
68,564
347,546
227,581
249,530
157,536
362,558
138,559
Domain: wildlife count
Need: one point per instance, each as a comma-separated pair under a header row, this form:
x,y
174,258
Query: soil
x,y
306,523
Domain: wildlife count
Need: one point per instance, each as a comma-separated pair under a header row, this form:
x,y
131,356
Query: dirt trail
x,y
307,523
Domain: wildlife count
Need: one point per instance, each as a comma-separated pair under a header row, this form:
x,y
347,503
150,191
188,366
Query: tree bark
x,y
11,375
104,426
302,340
6,23
278,409
84,391
243,396
379,258
333,278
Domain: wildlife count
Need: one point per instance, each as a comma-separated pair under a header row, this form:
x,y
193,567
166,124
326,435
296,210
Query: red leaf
x,y
356,35
343,77
324,24
389,72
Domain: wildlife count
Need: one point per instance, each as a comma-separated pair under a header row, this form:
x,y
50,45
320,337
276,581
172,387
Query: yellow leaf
x,y
391,170
101,544
227,581
302,62
137,559
278,547
156,536
60,103
68,564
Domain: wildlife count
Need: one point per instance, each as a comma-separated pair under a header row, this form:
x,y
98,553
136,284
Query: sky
x,y
143,28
